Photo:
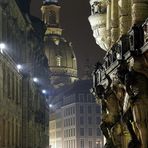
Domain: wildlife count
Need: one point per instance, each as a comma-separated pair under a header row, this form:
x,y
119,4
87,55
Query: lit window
x,y
58,61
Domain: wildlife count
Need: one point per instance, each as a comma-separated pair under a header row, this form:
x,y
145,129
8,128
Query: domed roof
x,y
61,60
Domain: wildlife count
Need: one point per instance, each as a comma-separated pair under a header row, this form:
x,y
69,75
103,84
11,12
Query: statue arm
x,y
109,81
104,107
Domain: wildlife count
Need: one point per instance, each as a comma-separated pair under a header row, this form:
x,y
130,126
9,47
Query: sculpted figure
x,y
141,64
137,88
110,113
98,7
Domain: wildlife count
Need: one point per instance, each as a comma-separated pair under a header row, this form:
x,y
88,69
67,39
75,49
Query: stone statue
x,y
98,7
137,88
140,64
136,84
110,113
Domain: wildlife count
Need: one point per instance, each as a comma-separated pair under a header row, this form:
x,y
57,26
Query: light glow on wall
x,y
2,47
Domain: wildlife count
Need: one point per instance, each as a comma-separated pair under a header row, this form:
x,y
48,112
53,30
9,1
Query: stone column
x,y
108,23
114,21
139,11
124,14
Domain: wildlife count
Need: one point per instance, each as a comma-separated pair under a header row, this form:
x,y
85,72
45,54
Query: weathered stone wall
x,y
119,17
23,108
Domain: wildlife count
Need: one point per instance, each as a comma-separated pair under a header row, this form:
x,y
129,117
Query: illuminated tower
x,y
61,57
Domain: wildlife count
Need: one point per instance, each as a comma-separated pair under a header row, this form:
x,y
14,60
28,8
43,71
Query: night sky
x,y
74,21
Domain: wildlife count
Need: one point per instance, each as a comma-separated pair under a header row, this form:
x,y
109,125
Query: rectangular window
x,y
89,98
81,131
17,91
73,110
81,97
89,109
74,143
98,144
89,120
81,120
90,144
58,61
74,132
98,109
81,109
13,85
8,84
4,133
73,120
82,143
98,132
98,120
90,132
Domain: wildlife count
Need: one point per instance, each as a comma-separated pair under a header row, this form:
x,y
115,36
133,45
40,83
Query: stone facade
x,y
10,104
121,82
23,107
74,123
110,19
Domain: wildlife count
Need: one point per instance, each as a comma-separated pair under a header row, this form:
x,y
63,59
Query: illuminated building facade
x,y
23,108
81,117
75,123
120,27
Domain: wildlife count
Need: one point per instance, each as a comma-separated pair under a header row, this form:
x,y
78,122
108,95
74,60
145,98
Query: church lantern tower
x,y
61,57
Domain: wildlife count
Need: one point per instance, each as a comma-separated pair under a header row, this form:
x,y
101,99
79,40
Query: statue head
x,y
100,91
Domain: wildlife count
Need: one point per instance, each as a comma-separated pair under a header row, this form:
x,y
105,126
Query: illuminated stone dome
x,y
61,60
61,57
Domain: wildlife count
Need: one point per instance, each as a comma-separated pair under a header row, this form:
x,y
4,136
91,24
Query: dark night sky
x,y
74,21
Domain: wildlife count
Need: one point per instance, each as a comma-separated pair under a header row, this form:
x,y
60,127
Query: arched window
x,y
52,17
